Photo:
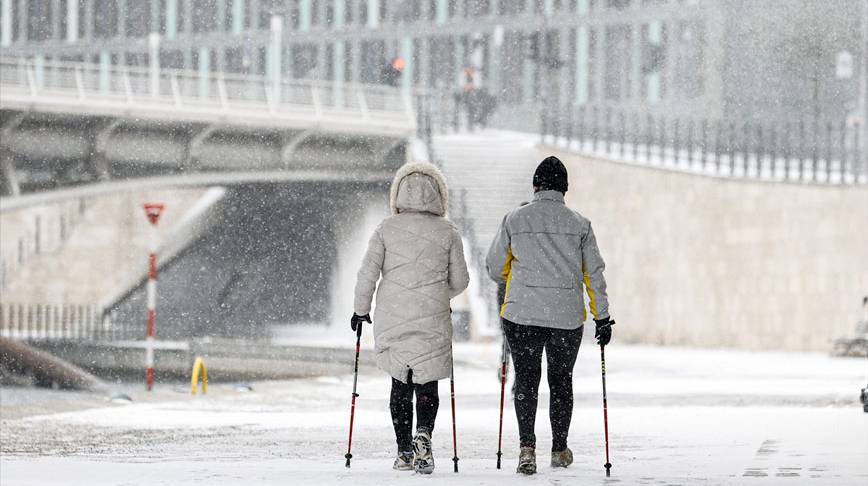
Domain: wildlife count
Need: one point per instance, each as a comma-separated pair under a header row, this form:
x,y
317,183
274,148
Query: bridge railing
x,y
811,151
184,88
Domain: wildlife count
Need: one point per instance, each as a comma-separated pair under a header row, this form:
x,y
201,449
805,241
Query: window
x,y
38,21
105,18
204,15
619,39
138,21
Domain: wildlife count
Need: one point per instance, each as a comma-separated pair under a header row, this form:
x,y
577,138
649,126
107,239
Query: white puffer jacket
x,y
419,254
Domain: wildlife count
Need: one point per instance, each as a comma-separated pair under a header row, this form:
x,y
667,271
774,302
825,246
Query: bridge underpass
x,y
271,260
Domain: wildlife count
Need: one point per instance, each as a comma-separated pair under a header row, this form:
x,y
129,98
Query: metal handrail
x,y
187,88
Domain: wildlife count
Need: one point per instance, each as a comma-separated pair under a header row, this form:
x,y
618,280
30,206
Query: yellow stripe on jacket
x,y
592,300
506,273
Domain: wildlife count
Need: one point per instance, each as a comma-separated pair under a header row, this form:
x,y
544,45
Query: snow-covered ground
x,y
677,416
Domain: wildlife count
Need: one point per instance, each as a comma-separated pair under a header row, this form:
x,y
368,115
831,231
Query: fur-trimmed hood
x,y
419,187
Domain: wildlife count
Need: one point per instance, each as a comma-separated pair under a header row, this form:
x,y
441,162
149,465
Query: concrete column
x,y
88,20
204,72
237,17
340,14
154,55
55,20
105,63
273,68
22,21
459,53
187,5
71,22
221,17
424,67
373,20
6,23
155,17
122,18
338,60
304,15
407,55
8,176
442,13
356,63
171,19
39,69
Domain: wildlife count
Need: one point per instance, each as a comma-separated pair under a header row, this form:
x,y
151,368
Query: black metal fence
x,y
818,151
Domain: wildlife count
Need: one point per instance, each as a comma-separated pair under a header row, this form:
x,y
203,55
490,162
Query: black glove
x,y
357,320
604,330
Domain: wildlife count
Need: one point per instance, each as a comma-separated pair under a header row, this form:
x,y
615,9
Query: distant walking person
x,y
545,254
418,258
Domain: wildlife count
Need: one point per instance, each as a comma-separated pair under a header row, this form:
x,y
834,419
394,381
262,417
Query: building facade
x,y
768,60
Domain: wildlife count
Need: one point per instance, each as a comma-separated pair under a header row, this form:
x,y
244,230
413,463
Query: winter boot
x,y
424,462
562,458
404,461
527,461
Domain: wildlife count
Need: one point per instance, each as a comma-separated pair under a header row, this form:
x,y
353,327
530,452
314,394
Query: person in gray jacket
x,y
417,257
545,254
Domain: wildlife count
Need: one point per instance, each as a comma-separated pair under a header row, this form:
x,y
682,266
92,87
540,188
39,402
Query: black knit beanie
x,y
551,175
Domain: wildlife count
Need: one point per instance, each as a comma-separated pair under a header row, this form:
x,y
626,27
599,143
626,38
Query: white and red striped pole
x,y
153,212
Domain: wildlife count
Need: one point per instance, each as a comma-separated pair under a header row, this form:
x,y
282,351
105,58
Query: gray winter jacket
x,y
545,253
419,254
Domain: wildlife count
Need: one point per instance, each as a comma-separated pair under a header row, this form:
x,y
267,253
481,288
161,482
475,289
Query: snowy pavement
x,y
677,416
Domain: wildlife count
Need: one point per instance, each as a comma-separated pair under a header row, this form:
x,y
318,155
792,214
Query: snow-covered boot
x,y
527,461
562,458
424,462
404,461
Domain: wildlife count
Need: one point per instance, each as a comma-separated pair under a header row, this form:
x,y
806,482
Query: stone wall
x,y
701,261
102,246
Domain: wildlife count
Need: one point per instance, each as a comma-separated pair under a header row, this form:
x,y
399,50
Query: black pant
x,y
561,346
401,406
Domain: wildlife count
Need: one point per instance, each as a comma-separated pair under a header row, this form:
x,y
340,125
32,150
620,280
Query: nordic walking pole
x,y
608,465
349,454
502,389
454,434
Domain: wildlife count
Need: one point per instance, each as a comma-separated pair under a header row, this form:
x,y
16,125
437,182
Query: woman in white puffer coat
x,y
417,256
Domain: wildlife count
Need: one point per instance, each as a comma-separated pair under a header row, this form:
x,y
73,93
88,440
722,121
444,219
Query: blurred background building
x,y
765,61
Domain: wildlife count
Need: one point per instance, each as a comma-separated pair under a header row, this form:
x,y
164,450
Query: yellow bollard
x,y
199,365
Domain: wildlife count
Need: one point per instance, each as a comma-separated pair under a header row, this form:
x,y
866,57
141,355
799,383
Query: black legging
x,y
401,406
526,344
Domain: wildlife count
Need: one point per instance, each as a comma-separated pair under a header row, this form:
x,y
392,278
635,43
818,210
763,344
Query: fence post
x,y
622,119
828,152
595,129
703,161
676,141
815,155
842,163
759,149
608,128
568,127
635,133
649,137
773,148
580,132
662,144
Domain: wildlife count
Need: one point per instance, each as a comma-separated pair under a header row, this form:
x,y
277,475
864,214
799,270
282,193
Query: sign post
x,y
152,211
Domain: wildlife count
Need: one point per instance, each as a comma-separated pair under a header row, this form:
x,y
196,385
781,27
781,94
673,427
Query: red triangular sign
x,y
153,211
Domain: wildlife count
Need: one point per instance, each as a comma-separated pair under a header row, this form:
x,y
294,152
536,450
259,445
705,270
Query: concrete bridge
x,y
300,166
70,123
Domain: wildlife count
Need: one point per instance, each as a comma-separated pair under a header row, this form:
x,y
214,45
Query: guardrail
x,y
92,83
62,321
816,151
